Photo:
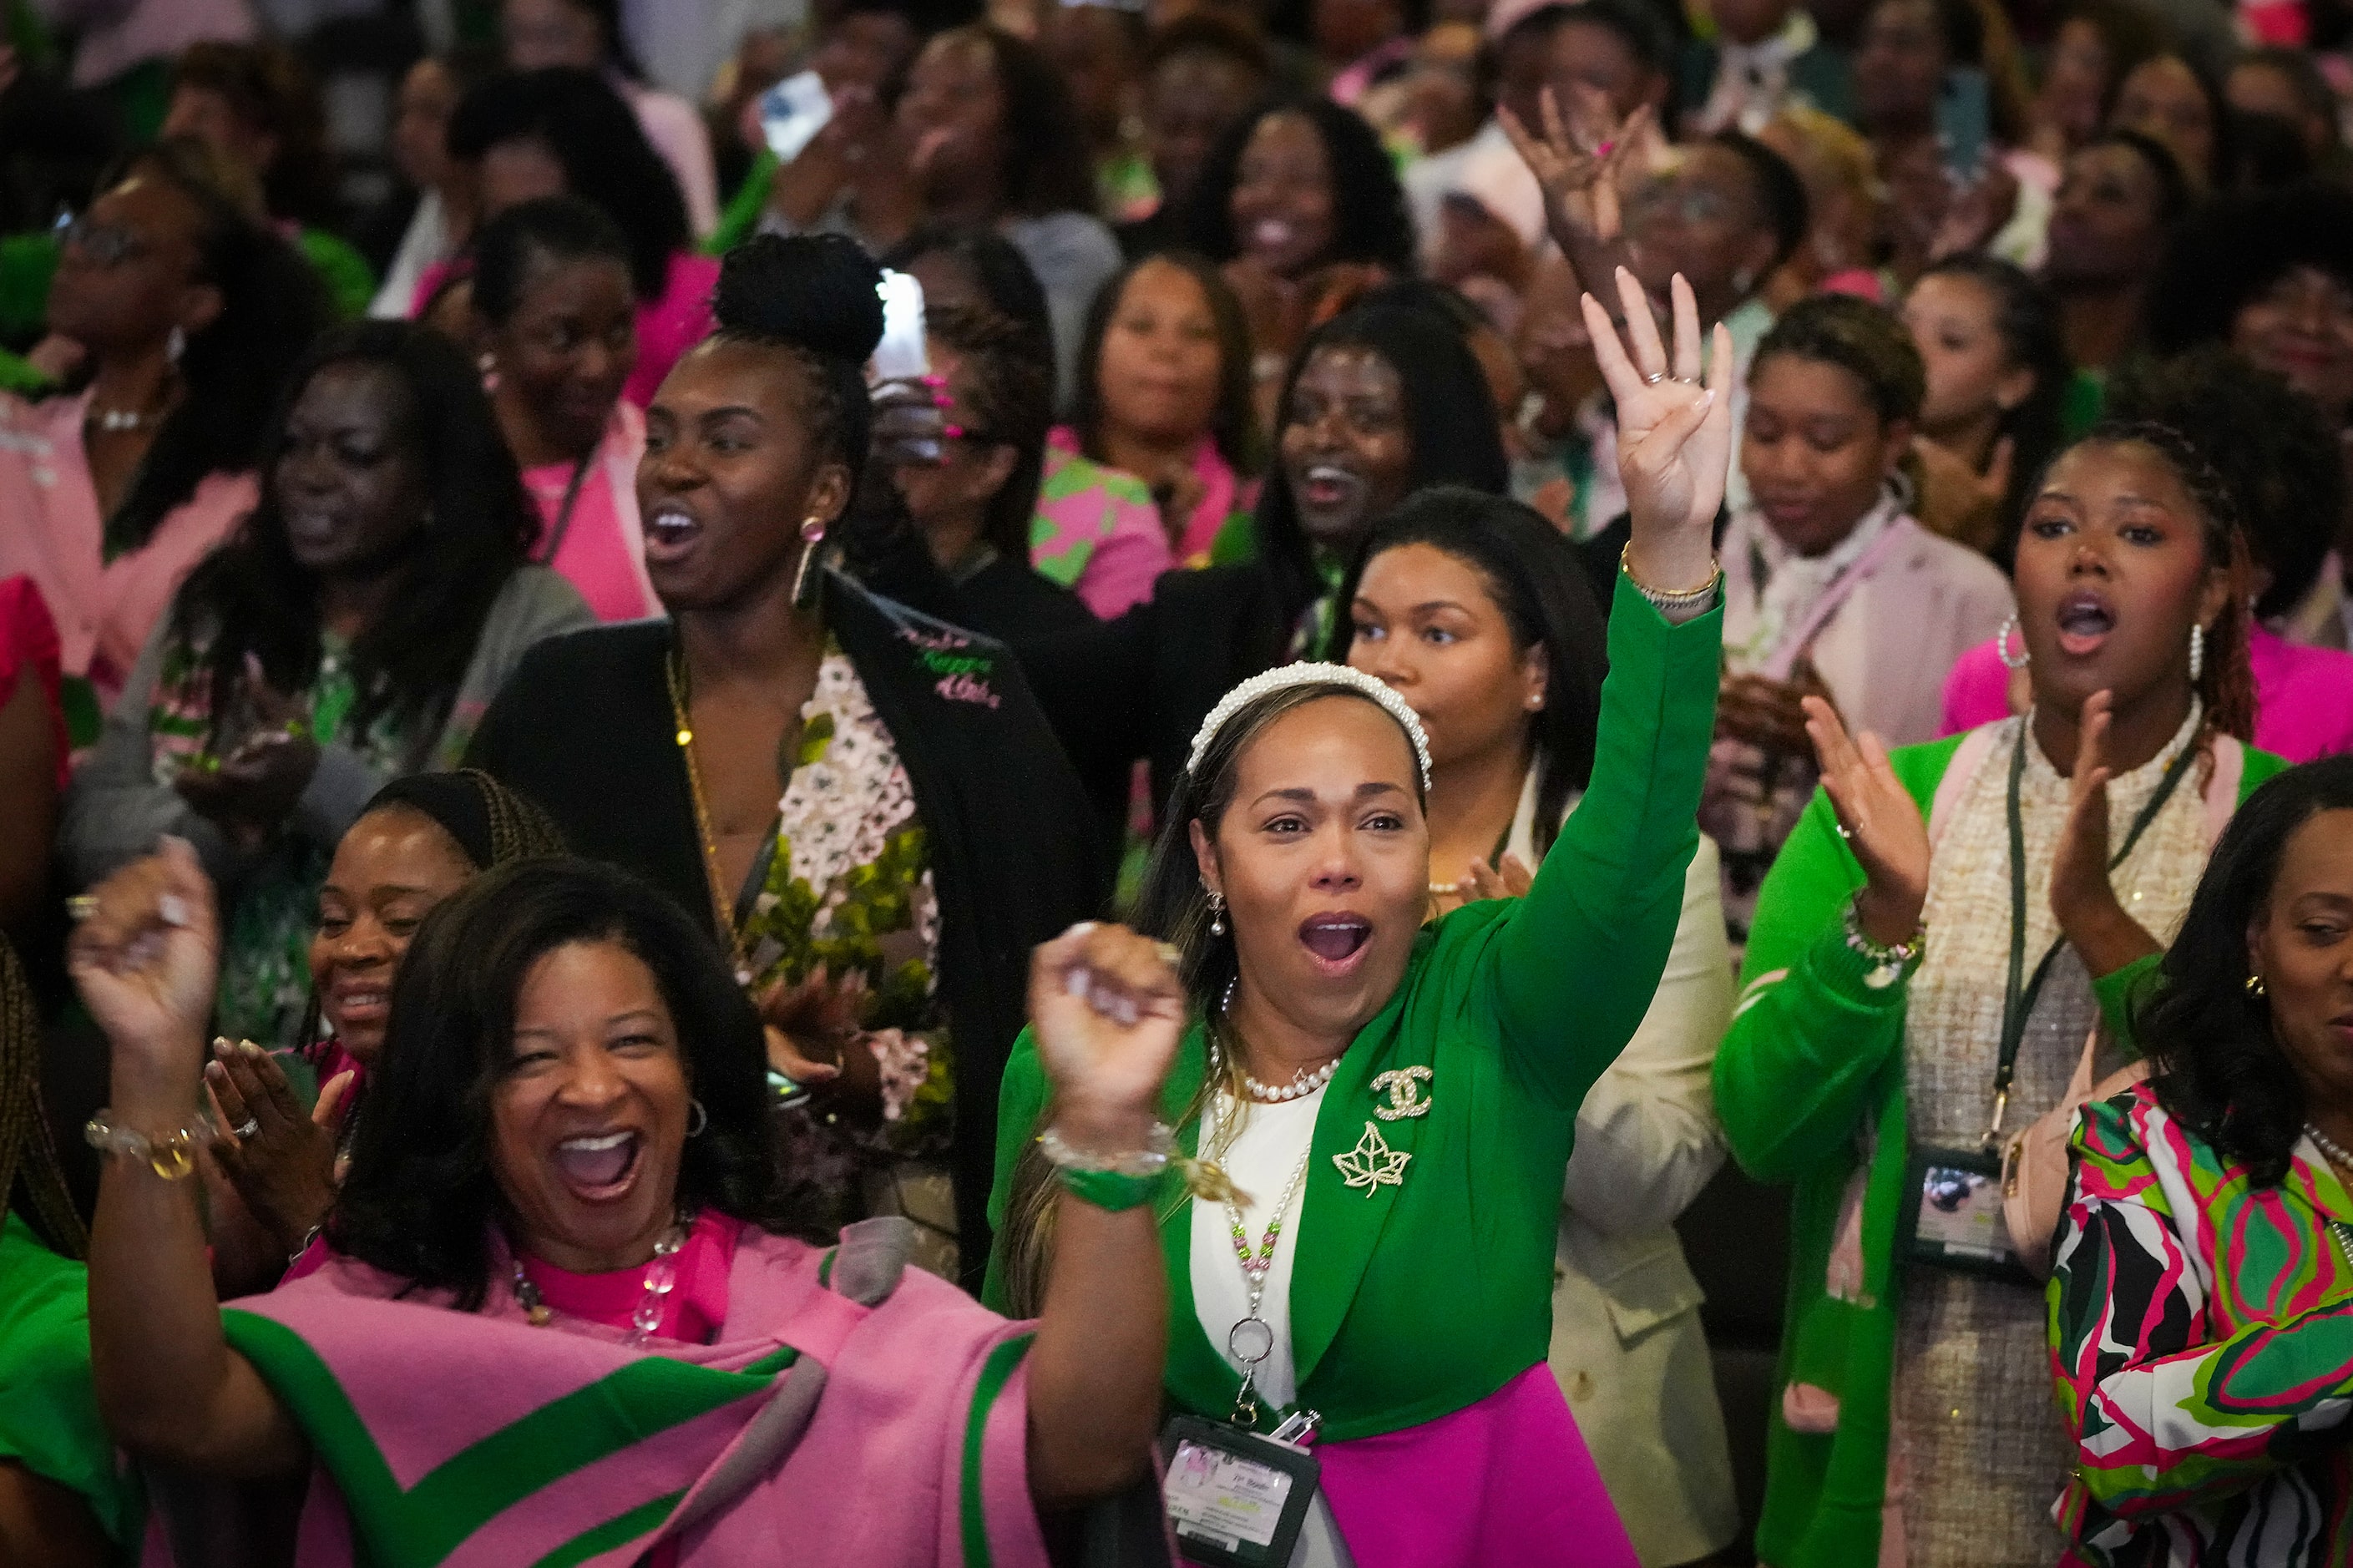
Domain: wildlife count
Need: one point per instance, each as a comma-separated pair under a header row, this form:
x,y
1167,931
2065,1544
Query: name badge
x,y
1235,1499
1956,1220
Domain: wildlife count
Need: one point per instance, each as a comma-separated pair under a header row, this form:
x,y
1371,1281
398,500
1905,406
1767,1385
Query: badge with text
x,y
1956,1220
1235,1501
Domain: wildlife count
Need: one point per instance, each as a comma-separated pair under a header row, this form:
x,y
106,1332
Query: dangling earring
x,y
804,580
176,345
697,1119
1217,913
2197,652
2255,987
2002,644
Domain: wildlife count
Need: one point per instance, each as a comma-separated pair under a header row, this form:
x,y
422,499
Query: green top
x,y
1815,1057
350,280
741,219
1415,1300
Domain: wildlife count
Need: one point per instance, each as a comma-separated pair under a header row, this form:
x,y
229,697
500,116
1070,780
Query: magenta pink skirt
x,y
1506,1480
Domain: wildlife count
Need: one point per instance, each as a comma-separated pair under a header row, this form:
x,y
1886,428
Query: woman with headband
x,y
1380,1111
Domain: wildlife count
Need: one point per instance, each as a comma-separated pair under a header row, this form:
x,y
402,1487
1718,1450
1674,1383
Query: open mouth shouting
x,y
599,1168
1330,487
670,531
1338,942
2085,620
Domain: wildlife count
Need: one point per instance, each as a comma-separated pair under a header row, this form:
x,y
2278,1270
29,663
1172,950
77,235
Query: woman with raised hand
x,y
553,302
354,629
1390,1107
2198,1311
186,314
1938,959
563,1214
862,805
1476,611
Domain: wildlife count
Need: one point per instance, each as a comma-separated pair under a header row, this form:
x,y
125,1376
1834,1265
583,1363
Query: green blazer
x,y
1412,1300
1813,1056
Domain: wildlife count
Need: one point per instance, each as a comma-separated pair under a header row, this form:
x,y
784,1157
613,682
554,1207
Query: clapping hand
x,y
810,1022
1880,822
254,788
1107,1008
1674,436
281,1161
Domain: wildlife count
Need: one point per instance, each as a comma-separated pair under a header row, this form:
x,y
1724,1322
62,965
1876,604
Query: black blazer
x,y
585,728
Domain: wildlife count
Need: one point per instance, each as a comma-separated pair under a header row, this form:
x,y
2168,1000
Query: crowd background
x,y
356,354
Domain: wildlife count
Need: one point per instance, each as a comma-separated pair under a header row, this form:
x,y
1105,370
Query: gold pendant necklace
x,y
674,667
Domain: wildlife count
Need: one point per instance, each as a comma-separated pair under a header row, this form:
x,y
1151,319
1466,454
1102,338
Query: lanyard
x,y
2017,1001
563,512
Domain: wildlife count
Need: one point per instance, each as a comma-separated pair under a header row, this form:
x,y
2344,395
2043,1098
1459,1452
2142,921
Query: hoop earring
x,y
2002,644
2255,987
804,580
1217,913
2197,652
697,1119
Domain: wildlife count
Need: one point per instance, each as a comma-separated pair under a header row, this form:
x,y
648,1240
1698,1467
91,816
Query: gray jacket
x,y
114,809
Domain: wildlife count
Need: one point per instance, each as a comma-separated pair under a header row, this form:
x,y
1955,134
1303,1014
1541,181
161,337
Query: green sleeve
x,y
741,220
17,375
28,261
350,280
1020,1096
1586,947
1793,1076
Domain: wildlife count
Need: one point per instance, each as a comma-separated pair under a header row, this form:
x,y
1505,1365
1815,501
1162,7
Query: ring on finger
x,y
1845,832
1657,376
247,1128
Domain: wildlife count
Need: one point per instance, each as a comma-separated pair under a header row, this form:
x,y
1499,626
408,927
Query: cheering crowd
x,y
888,782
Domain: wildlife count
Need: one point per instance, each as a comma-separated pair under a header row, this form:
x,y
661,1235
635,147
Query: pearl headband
x,y
1338,678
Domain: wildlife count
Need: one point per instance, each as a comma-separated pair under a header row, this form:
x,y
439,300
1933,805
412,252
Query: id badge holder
x,y
1235,1499
1954,1218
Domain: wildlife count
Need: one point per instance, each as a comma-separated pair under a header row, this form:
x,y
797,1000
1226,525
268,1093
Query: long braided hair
x,y
2227,686
28,1156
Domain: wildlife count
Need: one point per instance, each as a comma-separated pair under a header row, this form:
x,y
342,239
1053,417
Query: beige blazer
x,y
1885,651
1626,1341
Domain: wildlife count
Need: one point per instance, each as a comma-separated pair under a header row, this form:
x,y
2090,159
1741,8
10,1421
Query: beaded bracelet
x,y
1111,1191
1149,1161
1668,600
171,1157
1888,963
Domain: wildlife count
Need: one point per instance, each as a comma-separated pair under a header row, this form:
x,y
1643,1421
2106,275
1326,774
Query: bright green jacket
x,y
1414,1300
1813,1056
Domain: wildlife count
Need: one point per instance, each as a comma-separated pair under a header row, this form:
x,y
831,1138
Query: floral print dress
x,y
847,886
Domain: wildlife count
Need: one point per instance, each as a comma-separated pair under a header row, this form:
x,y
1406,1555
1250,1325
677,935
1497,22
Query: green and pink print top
x,y
1098,533
2202,1333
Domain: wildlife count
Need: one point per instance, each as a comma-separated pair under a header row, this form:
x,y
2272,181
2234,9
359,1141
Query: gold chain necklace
x,y
674,667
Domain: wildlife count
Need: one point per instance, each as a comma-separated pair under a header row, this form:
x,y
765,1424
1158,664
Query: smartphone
x,y
792,112
1964,123
900,356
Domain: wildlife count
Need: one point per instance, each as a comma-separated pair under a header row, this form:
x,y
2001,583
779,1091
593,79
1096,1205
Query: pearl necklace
x,y
661,1278
2338,1153
1302,1082
116,420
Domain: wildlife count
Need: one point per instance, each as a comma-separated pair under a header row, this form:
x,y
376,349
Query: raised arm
x,y
167,1383
1107,1009
1586,946
2162,1419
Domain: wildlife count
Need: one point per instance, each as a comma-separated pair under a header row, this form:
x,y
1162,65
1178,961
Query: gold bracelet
x,y
1668,598
172,1157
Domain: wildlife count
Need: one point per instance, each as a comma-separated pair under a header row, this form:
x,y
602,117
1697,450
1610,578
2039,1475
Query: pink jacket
x,y
2304,696
50,531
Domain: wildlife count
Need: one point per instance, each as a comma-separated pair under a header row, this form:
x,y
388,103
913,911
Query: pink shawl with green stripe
x,y
818,1429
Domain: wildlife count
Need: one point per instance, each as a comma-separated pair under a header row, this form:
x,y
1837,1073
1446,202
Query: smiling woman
x,y
354,629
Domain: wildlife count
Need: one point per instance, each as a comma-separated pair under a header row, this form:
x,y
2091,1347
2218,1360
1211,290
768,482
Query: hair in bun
x,y
814,291
818,297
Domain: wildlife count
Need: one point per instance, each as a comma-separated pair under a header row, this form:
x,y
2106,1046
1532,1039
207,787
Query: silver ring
x,y
1655,377
1845,832
247,1128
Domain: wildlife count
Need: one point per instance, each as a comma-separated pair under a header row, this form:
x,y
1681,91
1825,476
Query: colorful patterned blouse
x,y
848,884
265,982
2202,1334
1097,533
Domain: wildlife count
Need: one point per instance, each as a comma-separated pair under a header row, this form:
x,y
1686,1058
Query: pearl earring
x,y
1217,913
2197,653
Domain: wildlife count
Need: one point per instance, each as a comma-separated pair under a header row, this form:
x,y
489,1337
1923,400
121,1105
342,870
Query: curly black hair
x,y
1234,424
422,1197
1046,168
813,296
2236,248
272,305
1370,222
252,596
2274,451
2218,1067
592,133
553,228
267,86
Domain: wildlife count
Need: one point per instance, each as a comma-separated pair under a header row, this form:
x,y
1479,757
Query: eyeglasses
x,y
101,243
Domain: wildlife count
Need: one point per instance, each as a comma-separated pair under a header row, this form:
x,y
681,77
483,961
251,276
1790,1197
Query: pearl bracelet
x,y
1148,1161
171,1157
1888,963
